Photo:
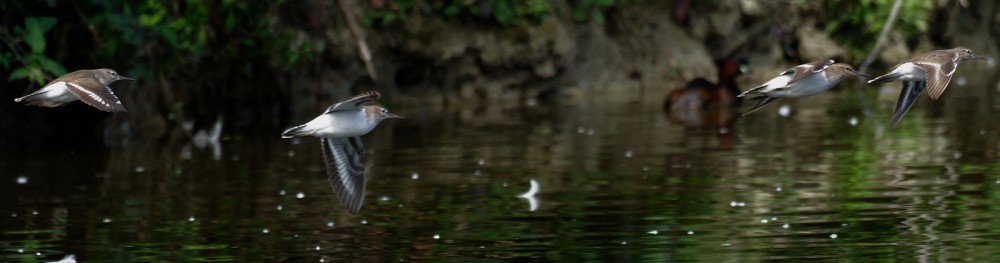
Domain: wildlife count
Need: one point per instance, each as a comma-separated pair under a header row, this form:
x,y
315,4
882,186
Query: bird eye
x,y
968,51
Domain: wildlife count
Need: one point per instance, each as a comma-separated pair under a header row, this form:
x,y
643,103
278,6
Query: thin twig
x,y
359,36
882,36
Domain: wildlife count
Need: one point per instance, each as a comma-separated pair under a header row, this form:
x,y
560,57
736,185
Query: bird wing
x,y
355,102
938,76
345,169
96,94
805,70
907,97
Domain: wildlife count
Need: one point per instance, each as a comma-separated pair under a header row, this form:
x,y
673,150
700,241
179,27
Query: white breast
x,y
57,92
910,72
340,124
812,85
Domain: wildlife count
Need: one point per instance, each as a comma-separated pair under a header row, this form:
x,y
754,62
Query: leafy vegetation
x,y
502,12
857,23
35,65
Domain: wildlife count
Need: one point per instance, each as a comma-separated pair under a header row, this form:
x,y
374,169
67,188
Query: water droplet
x,y
265,231
300,195
833,236
383,198
690,232
38,253
743,204
774,219
624,242
645,168
280,208
763,221
415,176
191,219
437,236
591,131
22,179
733,203
140,169
330,224
317,248
653,232
482,162
726,244
13,214
581,130
853,121
844,224
34,212
282,192
106,220
785,110
785,226
364,221
778,189
628,154
20,250
723,130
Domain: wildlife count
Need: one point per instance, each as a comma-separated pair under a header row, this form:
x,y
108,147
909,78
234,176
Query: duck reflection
x,y
530,196
705,106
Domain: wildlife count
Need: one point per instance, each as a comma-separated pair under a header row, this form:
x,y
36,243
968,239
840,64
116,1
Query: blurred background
x,y
574,94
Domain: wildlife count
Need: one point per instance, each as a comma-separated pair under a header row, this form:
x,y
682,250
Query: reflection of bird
x,y
339,130
932,69
89,86
801,81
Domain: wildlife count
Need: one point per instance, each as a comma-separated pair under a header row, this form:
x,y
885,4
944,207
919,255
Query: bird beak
x,y
390,115
980,57
862,75
124,77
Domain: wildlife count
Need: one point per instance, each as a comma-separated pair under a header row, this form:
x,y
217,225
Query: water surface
x,y
829,180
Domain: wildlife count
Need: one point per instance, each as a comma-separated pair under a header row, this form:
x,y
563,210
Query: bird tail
x,y
885,78
295,131
761,102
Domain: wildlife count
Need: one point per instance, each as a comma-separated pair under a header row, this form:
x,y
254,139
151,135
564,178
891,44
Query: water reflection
x,y
622,183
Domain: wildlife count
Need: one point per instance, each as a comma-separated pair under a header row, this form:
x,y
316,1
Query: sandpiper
x,y
932,69
89,86
801,81
339,130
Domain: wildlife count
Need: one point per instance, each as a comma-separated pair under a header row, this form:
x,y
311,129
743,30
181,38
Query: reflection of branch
x,y
359,36
882,35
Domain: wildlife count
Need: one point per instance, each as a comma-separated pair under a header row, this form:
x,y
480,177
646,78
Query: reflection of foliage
x,y
857,23
35,63
504,12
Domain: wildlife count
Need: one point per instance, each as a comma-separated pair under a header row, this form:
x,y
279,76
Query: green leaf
x,y
35,29
51,66
19,73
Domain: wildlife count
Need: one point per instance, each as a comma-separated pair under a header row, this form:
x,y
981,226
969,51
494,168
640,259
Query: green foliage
x,y
503,12
35,64
858,23
591,10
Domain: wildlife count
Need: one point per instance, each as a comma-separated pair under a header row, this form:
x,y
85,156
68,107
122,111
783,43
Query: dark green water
x,y
618,183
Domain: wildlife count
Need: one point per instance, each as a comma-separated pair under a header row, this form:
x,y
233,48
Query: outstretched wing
x,y
96,94
354,103
345,169
907,97
805,70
